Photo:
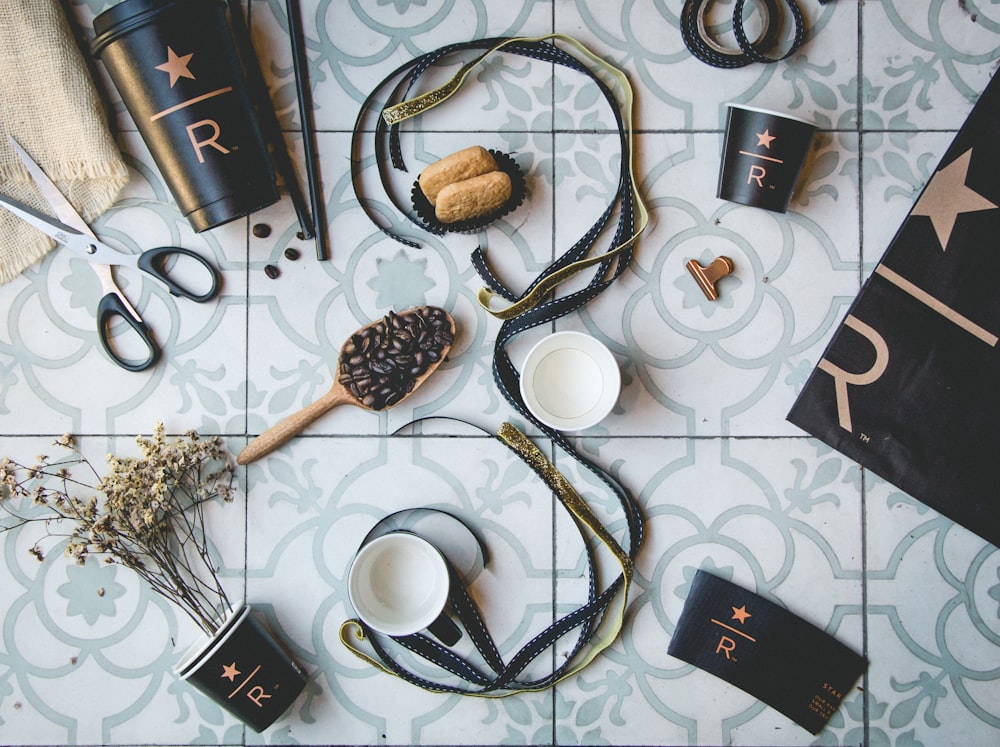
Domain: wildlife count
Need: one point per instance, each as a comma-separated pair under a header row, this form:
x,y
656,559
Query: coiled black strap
x,y
701,44
506,677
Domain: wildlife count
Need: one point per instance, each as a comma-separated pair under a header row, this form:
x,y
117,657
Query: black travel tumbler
x,y
176,67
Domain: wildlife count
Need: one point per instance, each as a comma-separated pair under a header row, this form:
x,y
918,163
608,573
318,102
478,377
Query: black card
x,y
765,650
908,386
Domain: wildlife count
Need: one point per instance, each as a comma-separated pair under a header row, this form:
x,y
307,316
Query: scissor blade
x,y
62,207
80,244
56,229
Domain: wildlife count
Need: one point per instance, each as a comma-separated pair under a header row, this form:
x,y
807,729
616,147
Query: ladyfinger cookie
x,y
473,197
457,167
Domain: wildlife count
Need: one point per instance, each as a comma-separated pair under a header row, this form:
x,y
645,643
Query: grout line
x,y
857,128
859,125
553,500
865,701
552,695
531,434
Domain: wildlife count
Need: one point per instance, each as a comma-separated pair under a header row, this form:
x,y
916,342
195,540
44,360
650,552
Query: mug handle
x,y
445,630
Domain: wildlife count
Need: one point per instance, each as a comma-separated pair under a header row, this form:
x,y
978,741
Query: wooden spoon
x,y
379,366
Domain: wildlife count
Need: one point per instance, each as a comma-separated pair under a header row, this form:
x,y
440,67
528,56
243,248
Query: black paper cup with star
x,y
762,157
176,66
245,670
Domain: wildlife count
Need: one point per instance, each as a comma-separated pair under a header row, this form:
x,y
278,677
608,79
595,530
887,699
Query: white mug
x,y
399,585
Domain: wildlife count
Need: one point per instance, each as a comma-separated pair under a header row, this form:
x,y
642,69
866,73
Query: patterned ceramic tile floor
x,y
698,435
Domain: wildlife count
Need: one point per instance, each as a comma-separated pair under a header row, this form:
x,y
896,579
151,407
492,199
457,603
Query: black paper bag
x,y
909,386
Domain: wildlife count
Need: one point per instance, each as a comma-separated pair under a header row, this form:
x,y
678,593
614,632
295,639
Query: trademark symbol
x,y
865,438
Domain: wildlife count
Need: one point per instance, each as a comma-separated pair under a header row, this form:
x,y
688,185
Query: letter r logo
x,y
257,694
842,378
726,645
757,174
199,144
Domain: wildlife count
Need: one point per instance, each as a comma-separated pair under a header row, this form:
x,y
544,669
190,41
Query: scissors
x,y
72,231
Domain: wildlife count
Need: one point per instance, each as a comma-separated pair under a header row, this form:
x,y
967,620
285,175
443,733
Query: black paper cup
x,y
425,211
175,65
245,671
762,157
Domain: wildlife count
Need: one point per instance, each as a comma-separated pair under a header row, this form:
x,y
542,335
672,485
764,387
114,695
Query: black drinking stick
x,y
269,120
304,91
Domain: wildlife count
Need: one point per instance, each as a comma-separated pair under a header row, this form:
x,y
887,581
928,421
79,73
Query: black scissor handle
x,y
110,307
152,262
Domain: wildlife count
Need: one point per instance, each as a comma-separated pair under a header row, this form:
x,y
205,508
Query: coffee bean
x,y
272,271
291,253
261,230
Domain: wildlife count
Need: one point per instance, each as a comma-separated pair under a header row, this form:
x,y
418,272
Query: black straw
x,y
269,120
304,95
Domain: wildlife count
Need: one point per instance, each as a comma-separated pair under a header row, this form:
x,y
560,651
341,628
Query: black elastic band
x,y
700,43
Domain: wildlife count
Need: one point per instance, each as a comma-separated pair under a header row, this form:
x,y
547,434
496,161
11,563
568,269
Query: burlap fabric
x,y
49,103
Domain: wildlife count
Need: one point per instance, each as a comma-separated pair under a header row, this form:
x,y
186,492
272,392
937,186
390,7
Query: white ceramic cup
x,y
570,381
399,584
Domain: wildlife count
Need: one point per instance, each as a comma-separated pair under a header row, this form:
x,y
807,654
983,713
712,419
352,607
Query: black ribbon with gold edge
x,y
632,212
527,310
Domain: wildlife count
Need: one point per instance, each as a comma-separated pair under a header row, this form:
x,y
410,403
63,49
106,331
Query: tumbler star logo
x,y
765,138
947,195
230,673
741,614
176,66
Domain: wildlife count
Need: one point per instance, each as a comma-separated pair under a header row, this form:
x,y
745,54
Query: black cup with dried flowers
x,y
148,514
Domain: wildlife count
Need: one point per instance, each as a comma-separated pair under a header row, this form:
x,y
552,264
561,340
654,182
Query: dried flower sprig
x,y
150,518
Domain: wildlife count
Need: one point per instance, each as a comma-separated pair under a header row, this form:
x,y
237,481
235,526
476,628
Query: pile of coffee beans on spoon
x,y
383,361
379,366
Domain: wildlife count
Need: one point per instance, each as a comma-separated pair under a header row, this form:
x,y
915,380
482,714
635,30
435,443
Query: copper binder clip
x,y
707,277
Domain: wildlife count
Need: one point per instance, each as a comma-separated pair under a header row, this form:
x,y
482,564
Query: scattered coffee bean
x,y
300,236
271,271
381,364
292,253
261,230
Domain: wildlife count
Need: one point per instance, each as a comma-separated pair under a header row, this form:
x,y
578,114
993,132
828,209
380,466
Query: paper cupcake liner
x,y
425,211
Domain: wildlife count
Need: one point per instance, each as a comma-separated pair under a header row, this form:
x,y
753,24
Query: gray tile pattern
x,y
698,435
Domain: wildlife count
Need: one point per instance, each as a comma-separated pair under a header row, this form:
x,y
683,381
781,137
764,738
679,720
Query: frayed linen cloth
x,y
50,105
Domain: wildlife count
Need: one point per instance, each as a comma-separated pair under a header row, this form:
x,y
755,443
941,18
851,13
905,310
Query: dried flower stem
x,y
151,517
